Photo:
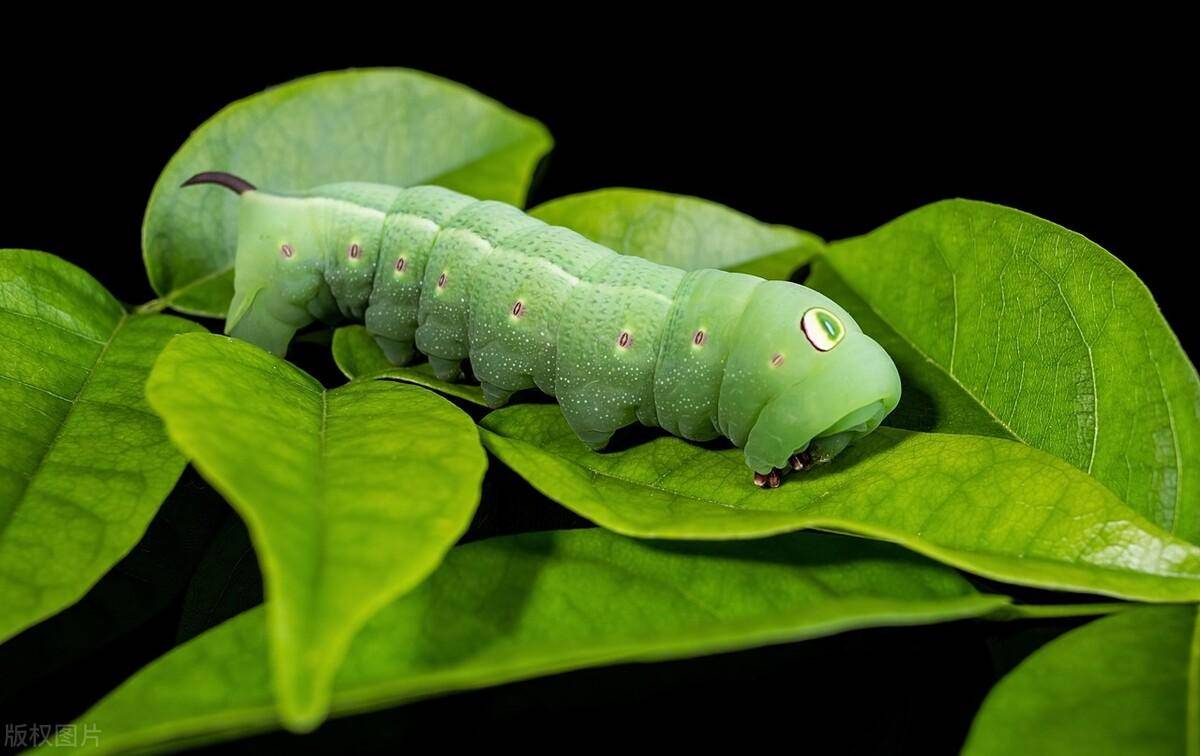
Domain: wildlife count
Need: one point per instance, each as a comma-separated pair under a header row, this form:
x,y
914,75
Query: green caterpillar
x,y
775,367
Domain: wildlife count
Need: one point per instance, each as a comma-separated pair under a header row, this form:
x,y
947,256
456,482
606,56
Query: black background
x,y
826,141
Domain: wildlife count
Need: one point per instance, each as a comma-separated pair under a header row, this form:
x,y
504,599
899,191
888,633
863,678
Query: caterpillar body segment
x,y
777,368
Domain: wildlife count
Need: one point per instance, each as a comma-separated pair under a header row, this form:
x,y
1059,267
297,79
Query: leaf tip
x,y
302,708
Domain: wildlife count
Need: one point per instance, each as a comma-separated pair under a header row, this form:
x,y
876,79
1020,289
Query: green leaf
x,y
1058,611
360,358
391,126
1005,324
931,399
352,496
685,232
84,464
538,603
996,508
1126,684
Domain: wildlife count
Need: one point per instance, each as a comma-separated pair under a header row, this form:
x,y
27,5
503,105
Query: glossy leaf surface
x,y
517,607
352,496
387,125
84,463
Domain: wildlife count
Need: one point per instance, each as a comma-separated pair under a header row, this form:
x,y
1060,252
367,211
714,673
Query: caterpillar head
x,y
824,381
276,270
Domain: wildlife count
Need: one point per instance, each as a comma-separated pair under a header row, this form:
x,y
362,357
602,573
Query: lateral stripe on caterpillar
x,y
775,367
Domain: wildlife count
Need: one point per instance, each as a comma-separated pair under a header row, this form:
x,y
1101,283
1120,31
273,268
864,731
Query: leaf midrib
x,y
74,402
921,353
1171,523
883,532
497,672
322,545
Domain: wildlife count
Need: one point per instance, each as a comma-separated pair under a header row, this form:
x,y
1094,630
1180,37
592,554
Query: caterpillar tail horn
x,y
227,180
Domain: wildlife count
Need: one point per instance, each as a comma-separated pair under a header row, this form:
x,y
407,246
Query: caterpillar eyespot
x,y
822,328
682,377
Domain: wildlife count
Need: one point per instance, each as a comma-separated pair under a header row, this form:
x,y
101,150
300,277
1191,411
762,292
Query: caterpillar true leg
x,y
777,368
801,462
769,480
798,462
